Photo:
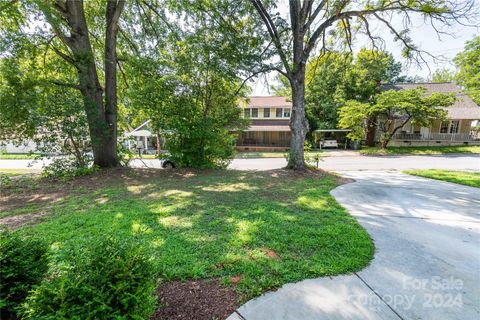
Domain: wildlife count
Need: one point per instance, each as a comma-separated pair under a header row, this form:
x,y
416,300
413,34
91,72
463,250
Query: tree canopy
x,y
91,60
468,64
320,26
335,77
392,110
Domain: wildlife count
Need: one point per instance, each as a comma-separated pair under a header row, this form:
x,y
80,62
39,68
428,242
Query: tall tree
x,y
370,69
443,75
468,64
64,27
325,88
311,22
68,21
190,86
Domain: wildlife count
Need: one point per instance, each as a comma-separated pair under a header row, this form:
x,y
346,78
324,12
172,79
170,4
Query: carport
x,y
339,135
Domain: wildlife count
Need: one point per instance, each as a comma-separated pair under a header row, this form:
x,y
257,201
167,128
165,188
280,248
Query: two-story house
x,y
269,128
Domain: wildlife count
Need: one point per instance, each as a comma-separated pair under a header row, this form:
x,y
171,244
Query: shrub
x,y
124,155
67,168
23,263
5,180
111,279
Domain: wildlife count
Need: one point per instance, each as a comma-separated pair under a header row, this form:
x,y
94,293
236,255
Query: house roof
x,y
139,133
463,108
268,101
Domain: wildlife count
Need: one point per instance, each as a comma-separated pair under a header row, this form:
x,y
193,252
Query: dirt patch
x,y
270,253
199,300
342,180
18,221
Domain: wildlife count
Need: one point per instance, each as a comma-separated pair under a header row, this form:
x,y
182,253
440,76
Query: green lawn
x,y
420,150
467,178
19,156
267,154
17,172
269,228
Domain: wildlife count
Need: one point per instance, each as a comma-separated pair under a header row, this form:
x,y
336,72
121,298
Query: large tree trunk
x,y
298,121
101,117
370,136
109,156
101,135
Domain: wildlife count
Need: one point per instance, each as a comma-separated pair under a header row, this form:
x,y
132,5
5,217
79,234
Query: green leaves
x,y
352,116
336,77
412,106
468,63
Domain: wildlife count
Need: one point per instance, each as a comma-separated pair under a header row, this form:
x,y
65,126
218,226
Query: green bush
x,y
5,180
67,168
23,263
111,279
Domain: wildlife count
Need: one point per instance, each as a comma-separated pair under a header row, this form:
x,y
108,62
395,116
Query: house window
x,y
454,126
254,113
444,127
266,112
278,112
246,113
286,113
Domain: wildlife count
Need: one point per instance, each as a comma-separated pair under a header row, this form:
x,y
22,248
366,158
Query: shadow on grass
x,y
268,228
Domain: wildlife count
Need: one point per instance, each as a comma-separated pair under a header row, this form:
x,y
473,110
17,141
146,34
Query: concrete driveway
x,y
426,265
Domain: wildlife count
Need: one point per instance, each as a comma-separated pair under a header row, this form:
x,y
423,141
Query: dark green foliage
x,y
335,77
67,168
33,109
108,279
23,263
191,88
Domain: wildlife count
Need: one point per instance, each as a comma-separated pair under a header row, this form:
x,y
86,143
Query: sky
x,y
424,37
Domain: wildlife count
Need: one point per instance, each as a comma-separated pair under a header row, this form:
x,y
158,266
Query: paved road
x,y
426,265
346,163
333,163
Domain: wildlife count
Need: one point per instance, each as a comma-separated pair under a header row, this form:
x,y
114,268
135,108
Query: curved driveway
x,y
426,265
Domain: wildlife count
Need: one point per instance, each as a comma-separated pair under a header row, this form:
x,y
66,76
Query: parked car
x,y
329,144
167,164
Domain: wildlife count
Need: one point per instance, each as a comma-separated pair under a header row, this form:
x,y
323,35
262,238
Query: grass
x,y
467,178
269,228
19,156
267,154
17,172
420,150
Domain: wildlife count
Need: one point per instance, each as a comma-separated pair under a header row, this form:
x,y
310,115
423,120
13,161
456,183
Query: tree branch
x,y
272,30
67,85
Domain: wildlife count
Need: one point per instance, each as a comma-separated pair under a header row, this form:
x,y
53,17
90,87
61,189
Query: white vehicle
x,y
329,144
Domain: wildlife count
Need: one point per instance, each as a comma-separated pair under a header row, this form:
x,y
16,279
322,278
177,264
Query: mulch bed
x,y
195,300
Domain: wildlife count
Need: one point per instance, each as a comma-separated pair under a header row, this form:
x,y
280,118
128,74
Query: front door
x,y
424,132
